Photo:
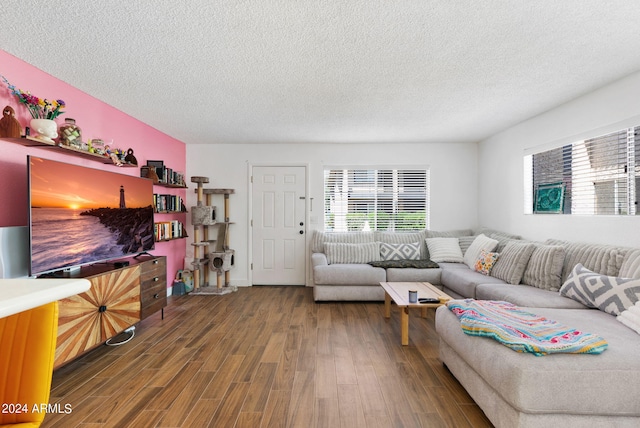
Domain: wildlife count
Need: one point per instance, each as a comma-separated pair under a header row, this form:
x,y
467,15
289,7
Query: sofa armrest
x,y
319,259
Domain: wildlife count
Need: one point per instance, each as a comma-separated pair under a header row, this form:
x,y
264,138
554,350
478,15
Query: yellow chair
x,y
27,351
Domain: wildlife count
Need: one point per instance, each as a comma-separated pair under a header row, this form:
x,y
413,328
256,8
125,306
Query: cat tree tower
x,y
211,252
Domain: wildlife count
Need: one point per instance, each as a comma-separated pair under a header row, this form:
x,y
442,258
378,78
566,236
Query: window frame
x,y
380,190
599,171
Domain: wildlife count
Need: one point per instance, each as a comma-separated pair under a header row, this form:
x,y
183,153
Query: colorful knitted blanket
x,y
522,331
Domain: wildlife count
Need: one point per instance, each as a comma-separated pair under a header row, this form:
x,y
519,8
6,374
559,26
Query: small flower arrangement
x,y
38,107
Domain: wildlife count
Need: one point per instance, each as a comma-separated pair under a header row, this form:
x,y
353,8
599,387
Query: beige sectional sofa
x,y
519,389
340,274
341,269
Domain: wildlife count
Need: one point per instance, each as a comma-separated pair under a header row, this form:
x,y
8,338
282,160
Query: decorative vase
x,y
70,133
46,129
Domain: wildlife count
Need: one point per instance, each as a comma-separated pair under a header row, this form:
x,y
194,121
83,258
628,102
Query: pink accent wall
x,y
97,120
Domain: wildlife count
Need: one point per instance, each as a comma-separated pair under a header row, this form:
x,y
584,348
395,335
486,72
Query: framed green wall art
x,y
549,199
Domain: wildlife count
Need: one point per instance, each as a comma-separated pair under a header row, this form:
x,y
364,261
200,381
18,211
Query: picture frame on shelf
x,y
159,166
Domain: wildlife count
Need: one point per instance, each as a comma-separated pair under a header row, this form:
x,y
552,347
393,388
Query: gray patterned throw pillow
x,y
607,293
400,251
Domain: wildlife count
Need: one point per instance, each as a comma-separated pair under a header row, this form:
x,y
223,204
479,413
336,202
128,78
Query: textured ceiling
x,y
297,71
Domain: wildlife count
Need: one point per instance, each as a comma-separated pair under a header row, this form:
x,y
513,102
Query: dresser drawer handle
x,y
155,262
156,279
156,296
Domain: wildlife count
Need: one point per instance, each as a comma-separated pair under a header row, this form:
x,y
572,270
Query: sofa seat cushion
x,y
604,384
348,293
348,274
525,295
464,281
414,275
446,265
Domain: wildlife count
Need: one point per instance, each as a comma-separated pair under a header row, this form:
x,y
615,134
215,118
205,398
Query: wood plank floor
x,y
265,357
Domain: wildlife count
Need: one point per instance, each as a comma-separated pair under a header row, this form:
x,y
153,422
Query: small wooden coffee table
x,y
399,293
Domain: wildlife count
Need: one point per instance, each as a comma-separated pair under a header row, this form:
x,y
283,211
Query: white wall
x,y
501,166
453,180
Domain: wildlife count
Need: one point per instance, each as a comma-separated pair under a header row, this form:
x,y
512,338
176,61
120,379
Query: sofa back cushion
x,y
598,258
320,238
497,234
513,261
544,269
340,252
449,233
465,242
503,238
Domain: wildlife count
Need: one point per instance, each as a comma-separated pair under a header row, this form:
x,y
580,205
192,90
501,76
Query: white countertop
x,y
21,294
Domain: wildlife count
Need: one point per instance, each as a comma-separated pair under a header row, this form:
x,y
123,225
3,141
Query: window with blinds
x,y
597,176
376,199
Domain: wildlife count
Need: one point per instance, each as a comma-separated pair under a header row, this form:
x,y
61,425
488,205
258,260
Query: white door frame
x,y
307,213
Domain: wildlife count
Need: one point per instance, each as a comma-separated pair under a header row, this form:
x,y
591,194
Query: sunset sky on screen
x,y
61,185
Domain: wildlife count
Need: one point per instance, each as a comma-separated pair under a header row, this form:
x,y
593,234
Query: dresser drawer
x,y
153,268
156,285
153,286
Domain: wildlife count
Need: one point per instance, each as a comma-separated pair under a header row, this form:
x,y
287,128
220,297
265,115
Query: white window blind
x,y
376,199
599,176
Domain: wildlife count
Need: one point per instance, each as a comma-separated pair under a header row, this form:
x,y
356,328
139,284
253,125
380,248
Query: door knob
x,y
301,223
302,232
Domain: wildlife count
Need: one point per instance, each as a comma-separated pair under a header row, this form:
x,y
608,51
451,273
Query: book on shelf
x,y
170,203
166,230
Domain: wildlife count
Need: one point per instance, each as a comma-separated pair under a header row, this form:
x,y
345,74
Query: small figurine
x,y
9,125
113,155
115,159
130,158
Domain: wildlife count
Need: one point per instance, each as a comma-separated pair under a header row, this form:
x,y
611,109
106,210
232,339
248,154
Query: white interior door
x,y
278,219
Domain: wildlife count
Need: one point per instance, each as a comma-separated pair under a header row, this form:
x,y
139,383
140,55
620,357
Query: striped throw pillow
x,y
544,269
513,261
341,253
445,250
481,242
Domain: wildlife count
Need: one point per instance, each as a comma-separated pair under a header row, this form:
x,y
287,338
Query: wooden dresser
x,y
118,298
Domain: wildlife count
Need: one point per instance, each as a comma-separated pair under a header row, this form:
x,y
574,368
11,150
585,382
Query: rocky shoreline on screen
x,y
133,226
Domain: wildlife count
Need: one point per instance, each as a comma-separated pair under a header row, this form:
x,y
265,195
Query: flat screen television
x,y
80,215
